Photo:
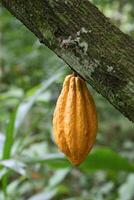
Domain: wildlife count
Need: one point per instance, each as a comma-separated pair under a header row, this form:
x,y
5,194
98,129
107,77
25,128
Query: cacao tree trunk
x,y
87,41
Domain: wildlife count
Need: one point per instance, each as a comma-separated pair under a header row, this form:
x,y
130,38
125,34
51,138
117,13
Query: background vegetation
x,y
31,167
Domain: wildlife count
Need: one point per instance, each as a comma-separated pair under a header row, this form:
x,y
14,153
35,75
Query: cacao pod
x,y
75,120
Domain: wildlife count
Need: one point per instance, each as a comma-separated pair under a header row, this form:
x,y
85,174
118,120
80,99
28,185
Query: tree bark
x,y
87,41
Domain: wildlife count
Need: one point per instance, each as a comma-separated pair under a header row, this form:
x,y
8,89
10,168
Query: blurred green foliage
x,y
31,166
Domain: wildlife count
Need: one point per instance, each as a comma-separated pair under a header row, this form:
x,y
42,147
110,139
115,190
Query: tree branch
x,y
85,39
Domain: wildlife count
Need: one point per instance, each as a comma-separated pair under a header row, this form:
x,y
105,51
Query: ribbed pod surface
x,y
75,120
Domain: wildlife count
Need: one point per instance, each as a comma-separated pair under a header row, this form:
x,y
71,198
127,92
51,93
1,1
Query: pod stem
x,y
75,73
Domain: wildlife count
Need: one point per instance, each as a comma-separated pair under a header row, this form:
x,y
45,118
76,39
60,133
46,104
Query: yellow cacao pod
x,y
75,120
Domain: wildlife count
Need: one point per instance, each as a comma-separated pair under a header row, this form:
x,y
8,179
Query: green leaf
x,y
2,140
47,195
55,160
57,178
126,190
9,137
106,159
8,146
14,165
3,172
26,105
51,190
99,159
